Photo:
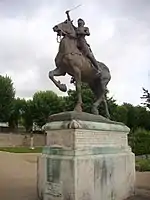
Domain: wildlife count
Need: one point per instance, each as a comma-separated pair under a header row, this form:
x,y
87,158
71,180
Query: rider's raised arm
x,y
68,16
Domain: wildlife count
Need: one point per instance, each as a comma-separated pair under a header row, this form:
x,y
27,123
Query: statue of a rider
x,y
83,46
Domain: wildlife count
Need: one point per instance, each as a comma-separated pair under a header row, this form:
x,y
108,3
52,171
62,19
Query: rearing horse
x,y
71,61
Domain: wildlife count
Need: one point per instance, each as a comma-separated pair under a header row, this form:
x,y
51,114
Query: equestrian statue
x,y
76,59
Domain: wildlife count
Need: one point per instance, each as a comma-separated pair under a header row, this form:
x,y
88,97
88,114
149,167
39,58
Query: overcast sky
x,y
120,37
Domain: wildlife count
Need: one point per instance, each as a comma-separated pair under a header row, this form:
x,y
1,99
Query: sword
x,y
74,8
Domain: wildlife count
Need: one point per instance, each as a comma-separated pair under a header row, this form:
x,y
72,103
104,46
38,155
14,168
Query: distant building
x,y
4,127
36,128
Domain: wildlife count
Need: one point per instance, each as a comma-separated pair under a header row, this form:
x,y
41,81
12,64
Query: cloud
x,y
120,37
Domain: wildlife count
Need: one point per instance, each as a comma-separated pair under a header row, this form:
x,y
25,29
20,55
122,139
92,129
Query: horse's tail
x,y
103,66
105,72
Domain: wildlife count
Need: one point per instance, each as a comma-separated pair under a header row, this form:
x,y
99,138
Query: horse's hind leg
x,y
58,72
100,99
96,104
106,107
99,89
77,76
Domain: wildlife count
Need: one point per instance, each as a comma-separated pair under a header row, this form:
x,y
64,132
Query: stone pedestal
x,y
87,157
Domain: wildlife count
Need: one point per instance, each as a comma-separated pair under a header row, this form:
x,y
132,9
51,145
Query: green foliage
x,y
7,94
143,117
121,114
132,116
44,104
21,114
142,165
139,140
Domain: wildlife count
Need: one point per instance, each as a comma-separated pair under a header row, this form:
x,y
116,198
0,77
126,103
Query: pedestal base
x,y
95,163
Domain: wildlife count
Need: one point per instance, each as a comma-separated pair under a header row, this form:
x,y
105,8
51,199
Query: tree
x,y
146,96
44,104
21,114
132,116
121,114
16,114
7,93
143,117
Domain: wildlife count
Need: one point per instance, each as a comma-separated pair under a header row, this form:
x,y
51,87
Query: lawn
x,y
21,149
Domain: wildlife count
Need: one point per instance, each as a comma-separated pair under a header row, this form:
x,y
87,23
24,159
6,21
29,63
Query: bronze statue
x,y
76,59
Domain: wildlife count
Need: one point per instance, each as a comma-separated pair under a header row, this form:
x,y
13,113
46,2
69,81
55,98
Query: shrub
x,y
143,165
139,140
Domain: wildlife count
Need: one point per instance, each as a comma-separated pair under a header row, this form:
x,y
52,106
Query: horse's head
x,y
64,28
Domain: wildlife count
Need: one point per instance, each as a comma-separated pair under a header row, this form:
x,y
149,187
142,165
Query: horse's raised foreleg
x,y
58,72
77,76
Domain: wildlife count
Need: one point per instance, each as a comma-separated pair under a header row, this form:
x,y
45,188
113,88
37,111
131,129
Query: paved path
x,y
143,186
18,178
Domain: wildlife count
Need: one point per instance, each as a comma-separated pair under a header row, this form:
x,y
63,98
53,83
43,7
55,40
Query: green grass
x,y
142,165
21,149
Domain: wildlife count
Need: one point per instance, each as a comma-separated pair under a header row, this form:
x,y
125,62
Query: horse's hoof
x,y
63,87
108,116
95,110
78,108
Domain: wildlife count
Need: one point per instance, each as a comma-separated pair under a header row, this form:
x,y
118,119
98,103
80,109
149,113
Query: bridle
x,y
60,33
